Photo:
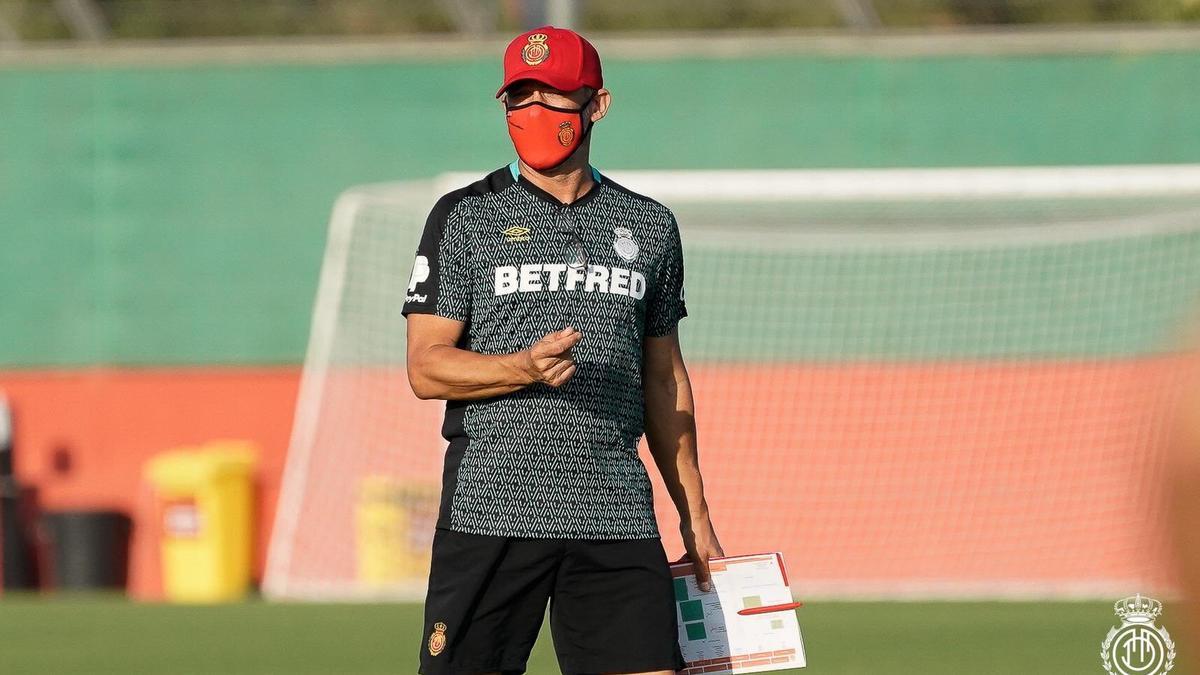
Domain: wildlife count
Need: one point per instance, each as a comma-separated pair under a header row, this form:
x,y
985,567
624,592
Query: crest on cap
x,y
535,50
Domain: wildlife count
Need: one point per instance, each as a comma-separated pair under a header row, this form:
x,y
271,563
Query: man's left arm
x,y
671,434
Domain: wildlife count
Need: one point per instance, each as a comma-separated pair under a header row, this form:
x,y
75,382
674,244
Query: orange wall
x,y
965,473
968,472
109,422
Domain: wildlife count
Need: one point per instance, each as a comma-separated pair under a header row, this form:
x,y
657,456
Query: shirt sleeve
x,y
666,305
440,281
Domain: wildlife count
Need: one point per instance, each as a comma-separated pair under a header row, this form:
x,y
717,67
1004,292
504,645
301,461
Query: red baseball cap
x,y
559,57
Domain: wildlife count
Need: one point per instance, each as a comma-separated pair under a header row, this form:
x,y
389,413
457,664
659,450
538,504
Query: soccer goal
x,y
914,382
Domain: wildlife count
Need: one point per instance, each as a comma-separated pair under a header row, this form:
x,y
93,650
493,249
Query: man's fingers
x,y
554,336
552,355
557,343
562,377
700,567
556,369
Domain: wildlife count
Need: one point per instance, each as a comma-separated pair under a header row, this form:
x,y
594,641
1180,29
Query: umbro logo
x,y
516,233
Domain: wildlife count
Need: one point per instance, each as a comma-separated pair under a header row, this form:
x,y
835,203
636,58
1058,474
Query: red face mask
x,y
545,135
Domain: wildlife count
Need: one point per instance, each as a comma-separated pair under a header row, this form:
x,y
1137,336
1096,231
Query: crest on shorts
x,y
566,134
624,244
535,50
437,641
1137,646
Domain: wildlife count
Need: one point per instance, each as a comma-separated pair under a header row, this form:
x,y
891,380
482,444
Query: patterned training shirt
x,y
513,263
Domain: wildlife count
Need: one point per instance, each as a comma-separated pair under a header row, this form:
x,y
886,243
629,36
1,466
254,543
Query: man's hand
x,y
701,543
438,368
549,360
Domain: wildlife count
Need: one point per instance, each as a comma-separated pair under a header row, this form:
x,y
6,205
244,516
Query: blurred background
x,y
32,20
949,411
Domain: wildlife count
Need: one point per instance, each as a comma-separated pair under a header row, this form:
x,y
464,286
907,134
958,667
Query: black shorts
x,y
612,604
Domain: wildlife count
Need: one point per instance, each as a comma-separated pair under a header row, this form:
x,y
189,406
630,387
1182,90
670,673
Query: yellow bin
x,y
395,522
205,497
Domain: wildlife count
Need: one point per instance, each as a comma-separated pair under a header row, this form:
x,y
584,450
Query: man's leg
x,y
613,609
487,596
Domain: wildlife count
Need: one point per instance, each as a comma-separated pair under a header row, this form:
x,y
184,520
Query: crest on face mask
x,y
566,134
535,50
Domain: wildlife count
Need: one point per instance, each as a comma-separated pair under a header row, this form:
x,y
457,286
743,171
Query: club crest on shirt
x,y
566,134
624,244
535,50
437,641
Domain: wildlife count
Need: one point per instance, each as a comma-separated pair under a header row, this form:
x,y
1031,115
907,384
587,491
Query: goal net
x,y
936,383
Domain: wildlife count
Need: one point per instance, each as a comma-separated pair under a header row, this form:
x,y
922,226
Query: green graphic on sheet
x,y
691,610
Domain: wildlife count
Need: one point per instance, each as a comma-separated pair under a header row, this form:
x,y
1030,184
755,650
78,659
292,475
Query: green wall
x,y
166,215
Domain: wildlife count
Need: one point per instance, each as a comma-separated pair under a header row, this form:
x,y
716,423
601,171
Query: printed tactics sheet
x,y
746,624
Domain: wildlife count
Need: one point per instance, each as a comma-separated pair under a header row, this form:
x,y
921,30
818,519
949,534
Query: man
x,y
542,307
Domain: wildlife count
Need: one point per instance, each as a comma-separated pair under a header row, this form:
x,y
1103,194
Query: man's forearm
x,y
446,372
671,435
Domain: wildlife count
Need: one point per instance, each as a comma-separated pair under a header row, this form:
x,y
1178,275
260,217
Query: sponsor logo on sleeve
x,y
420,274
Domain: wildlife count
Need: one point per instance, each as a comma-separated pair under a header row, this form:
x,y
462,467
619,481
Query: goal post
x,y
914,382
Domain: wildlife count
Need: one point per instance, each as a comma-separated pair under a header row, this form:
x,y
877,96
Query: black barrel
x,y
17,569
89,549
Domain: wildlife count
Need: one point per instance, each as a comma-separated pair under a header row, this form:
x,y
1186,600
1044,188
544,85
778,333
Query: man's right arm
x,y
437,306
437,369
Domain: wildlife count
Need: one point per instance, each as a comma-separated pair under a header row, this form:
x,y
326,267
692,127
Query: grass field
x,y
103,634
